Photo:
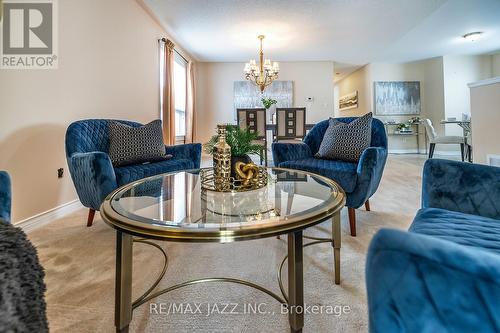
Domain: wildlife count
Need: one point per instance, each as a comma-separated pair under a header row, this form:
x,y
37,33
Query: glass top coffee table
x,y
175,207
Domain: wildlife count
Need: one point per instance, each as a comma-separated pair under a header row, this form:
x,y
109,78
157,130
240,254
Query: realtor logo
x,y
28,32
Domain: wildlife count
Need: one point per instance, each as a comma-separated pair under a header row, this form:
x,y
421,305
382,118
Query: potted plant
x,y
268,103
403,127
241,142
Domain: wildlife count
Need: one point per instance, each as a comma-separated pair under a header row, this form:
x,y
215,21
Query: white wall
x,y
458,72
108,68
214,91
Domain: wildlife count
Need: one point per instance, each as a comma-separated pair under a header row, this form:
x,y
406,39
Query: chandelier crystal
x,y
264,73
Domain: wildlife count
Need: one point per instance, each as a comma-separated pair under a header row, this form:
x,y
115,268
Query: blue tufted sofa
x,y
94,177
443,275
359,180
5,196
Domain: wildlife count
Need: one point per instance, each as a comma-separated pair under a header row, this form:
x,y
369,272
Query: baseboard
x,y
414,151
50,215
447,152
404,151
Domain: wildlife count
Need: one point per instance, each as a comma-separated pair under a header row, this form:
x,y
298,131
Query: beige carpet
x,y
79,264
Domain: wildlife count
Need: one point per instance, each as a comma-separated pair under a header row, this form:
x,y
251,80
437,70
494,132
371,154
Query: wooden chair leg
x,y
90,218
352,220
462,151
367,205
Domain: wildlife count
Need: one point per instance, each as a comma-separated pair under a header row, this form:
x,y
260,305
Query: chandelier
x,y
264,73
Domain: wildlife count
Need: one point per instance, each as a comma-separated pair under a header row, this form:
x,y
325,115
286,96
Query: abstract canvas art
x,y
397,98
247,95
349,101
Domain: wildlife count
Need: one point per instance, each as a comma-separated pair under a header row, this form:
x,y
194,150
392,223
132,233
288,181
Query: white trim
x,y
404,151
491,157
414,151
486,82
446,153
50,215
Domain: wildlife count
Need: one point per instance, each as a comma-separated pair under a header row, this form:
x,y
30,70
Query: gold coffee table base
x,y
149,295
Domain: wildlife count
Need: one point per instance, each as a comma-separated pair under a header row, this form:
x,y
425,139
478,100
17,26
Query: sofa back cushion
x,y
315,136
89,135
132,145
346,141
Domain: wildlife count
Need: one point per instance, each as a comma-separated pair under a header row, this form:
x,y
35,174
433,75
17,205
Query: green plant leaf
x,y
240,140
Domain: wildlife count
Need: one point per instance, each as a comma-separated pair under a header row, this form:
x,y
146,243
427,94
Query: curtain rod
x,y
164,40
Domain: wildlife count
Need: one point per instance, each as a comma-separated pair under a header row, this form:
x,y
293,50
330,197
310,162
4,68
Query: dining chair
x,y
468,147
290,124
434,139
255,121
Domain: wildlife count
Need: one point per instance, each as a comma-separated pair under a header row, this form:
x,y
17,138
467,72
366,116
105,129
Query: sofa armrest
x,y
461,187
419,283
189,151
289,152
369,173
93,176
5,196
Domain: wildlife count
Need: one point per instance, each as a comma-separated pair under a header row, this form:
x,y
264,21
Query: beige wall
x,y
485,111
459,70
428,72
434,93
495,65
214,91
108,68
444,91
356,81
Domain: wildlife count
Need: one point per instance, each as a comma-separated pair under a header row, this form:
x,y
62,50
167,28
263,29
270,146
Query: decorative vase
x,y
234,159
222,161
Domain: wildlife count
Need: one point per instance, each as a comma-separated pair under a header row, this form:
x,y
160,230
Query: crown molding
x,y
486,82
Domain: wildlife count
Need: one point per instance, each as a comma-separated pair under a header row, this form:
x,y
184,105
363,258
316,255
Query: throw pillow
x,y
346,141
133,145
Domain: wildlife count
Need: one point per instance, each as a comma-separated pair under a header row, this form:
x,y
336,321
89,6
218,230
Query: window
x,y
180,95
179,92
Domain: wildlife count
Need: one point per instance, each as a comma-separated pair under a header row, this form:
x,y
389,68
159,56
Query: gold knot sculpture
x,y
246,172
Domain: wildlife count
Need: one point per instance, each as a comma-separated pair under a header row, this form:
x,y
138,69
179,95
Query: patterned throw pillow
x,y
346,141
133,145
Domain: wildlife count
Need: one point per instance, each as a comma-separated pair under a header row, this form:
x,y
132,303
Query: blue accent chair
x,y
94,177
5,196
444,274
359,180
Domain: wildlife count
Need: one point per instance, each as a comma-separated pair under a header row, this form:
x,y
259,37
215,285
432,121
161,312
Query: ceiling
x,y
351,32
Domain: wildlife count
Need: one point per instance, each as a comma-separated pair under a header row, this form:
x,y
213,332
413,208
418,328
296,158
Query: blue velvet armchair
x,y
5,196
443,275
94,177
359,180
